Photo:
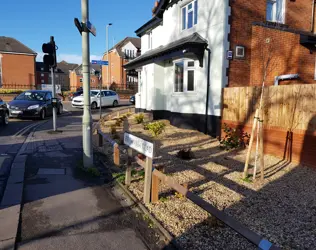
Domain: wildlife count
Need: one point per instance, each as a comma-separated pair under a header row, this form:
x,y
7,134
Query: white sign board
x,y
140,145
49,87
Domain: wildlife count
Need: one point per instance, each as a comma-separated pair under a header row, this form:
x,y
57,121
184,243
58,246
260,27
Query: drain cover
x,y
51,171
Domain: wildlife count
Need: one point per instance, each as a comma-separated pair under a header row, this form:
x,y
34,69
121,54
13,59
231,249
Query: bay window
x,y
184,79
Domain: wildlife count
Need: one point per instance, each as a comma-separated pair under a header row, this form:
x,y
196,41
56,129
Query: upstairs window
x,y
276,11
189,15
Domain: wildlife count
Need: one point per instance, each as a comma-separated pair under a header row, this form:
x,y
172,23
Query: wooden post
x,y
255,120
118,114
128,176
261,146
125,126
155,188
100,140
116,154
148,175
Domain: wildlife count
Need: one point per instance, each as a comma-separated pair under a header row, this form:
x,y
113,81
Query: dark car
x,y
75,94
132,99
33,104
4,113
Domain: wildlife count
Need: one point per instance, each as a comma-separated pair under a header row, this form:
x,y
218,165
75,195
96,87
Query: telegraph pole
x,y
54,96
87,118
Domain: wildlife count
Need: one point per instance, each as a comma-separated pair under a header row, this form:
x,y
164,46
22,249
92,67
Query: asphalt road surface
x,y
13,135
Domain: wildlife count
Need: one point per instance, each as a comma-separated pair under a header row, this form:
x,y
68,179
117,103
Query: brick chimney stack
x,y
155,6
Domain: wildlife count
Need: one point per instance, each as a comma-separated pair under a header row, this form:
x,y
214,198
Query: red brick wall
x,y
287,55
243,14
75,81
18,71
302,148
116,71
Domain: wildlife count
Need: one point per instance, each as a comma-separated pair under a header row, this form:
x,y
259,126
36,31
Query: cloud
x,y
70,58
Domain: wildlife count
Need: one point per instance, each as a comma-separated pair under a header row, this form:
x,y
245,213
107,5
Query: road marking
x,y
27,128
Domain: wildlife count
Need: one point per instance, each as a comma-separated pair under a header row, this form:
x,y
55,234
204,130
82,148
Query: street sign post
x,y
91,28
99,62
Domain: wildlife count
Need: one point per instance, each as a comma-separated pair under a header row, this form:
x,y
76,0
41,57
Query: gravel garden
x,y
282,208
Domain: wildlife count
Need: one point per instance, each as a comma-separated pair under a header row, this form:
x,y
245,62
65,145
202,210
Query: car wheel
x,y
60,109
43,114
5,119
115,103
94,105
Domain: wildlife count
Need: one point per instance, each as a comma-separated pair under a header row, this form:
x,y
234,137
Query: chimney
x,y
155,6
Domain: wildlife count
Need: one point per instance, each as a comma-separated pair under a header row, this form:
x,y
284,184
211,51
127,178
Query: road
x,y
13,136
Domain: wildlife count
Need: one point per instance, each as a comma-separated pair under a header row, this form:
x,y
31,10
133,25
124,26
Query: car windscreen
x,y
94,93
31,96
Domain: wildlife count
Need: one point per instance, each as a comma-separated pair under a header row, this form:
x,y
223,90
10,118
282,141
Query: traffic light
x,y
50,58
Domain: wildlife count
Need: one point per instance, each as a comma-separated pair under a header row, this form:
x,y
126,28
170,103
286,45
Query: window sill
x,y
188,93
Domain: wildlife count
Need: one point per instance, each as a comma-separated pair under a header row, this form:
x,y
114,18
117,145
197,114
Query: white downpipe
x,y
284,77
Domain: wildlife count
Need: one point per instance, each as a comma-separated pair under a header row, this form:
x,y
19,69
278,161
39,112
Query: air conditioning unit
x,y
240,52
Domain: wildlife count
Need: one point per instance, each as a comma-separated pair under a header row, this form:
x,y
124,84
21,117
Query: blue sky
x,y
33,21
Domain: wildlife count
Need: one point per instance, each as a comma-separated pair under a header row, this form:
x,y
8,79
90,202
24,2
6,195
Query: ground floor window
x,y
184,80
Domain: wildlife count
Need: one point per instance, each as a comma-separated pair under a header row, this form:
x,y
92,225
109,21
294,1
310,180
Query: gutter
x,y
208,89
18,53
313,16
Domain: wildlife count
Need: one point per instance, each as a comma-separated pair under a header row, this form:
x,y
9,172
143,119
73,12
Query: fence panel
x,y
290,107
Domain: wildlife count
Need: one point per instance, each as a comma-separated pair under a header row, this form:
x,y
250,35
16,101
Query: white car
x,y
108,98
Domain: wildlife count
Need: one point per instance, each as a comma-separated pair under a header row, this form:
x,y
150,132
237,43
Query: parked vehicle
x,y
108,98
33,104
75,94
4,113
132,99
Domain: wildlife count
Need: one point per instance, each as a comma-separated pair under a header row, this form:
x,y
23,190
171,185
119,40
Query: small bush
x,y
156,128
139,118
235,138
120,177
93,171
185,154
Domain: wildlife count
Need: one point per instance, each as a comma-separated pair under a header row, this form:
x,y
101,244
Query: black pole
x,y
208,89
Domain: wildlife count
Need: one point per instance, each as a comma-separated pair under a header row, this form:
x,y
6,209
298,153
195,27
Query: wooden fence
x,y
289,114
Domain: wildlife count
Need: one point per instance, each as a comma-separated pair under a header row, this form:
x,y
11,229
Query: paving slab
x,y
9,218
12,195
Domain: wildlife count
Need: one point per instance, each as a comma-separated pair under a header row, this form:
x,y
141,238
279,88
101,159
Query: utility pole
x,y
87,118
54,96
107,54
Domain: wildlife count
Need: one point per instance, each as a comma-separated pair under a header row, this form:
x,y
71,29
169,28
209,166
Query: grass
x,y
247,179
120,177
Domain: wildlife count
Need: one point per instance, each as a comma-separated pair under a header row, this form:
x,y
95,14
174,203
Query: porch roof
x,y
191,46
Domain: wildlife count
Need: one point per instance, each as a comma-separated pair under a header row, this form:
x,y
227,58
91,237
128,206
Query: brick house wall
x,y
18,71
289,56
244,13
116,72
76,81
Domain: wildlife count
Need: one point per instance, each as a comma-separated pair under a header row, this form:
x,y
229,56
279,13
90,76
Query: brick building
x,y
17,64
76,79
283,29
62,74
124,51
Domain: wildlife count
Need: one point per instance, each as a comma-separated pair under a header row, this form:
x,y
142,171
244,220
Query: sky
x,y
32,22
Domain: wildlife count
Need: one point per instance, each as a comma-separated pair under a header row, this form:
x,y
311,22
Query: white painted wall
x,y
129,46
213,26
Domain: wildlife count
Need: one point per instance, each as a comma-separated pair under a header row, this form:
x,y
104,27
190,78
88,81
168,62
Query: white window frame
x,y
186,69
274,11
150,40
42,75
187,15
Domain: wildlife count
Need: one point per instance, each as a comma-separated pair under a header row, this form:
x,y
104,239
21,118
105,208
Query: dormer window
x,y
189,15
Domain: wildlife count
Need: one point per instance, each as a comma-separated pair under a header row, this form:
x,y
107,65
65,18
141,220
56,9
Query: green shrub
x,y
234,138
156,128
11,91
139,118
120,177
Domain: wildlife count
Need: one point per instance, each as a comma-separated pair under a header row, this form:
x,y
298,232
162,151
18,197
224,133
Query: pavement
x,y
61,208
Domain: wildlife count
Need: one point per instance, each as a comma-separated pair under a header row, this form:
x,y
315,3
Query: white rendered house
x,y
183,65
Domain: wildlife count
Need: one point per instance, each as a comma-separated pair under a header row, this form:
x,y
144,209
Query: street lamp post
x,y
107,54
86,118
